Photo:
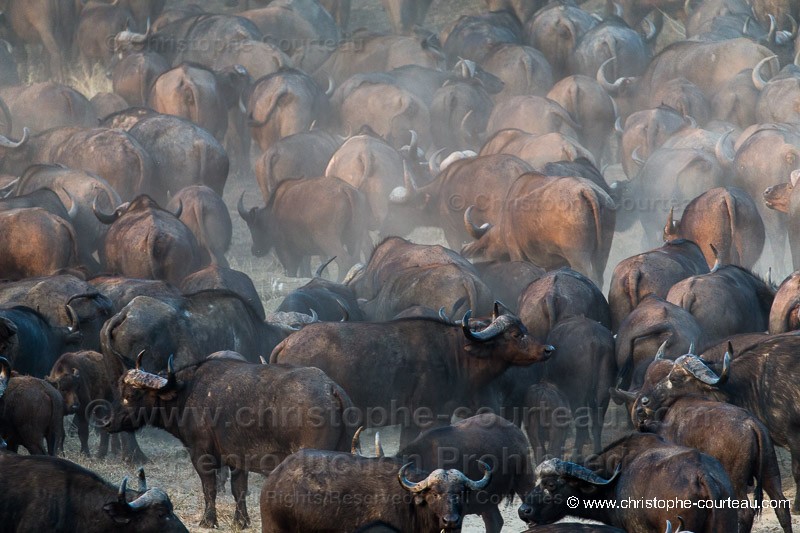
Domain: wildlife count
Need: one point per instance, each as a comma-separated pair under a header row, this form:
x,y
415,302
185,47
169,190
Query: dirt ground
x,y
169,467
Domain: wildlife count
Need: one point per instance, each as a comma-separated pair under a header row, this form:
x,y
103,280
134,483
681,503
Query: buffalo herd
x,y
600,195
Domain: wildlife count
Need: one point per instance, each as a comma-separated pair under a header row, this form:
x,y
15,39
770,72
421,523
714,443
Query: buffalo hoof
x,y
209,522
242,523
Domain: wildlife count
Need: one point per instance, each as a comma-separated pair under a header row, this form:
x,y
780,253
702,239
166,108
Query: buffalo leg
x,y
771,481
239,490
102,449
493,520
83,432
130,449
206,468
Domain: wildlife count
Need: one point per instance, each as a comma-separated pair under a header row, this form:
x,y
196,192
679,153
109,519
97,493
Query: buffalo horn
x,y
410,485
481,483
74,321
378,446
671,227
123,488
329,90
476,232
611,88
435,161
497,327
661,351
73,205
5,142
263,361
149,498
716,258
636,157
573,470
413,145
699,370
721,153
139,360
652,31
246,215
757,76
321,268
772,30
355,444
618,126
794,176
179,211
103,217
171,380
691,348
142,480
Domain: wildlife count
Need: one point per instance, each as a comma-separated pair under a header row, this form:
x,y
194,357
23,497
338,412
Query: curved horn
x,y
687,8
435,162
476,232
329,90
263,361
246,215
149,498
123,488
716,258
5,374
636,158
671,228
410,485
564,468
139,360
611,88
413,146
171,379
758,78
794,176
726,365
661,351
497,327
321,268
74,321
652,31
5,142
142,479
179,211
343,309
481,484
691,348
443,315
695,366
772,30
103,217
618,126
355,444
378,446
464,120
73,207
402,195
669,527
721,154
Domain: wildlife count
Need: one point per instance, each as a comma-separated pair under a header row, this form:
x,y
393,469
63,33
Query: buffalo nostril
x,y
549,349
525,511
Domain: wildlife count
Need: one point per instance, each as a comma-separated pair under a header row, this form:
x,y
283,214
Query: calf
x,y
31,413
248,417
81,378
487,437
548,421
318,491
51,494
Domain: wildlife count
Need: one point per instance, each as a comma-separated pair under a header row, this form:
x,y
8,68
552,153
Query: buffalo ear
x,y
7,328
419,499
121,513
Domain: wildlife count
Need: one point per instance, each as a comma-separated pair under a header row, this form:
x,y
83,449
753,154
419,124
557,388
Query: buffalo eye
x,y
549,485
516,334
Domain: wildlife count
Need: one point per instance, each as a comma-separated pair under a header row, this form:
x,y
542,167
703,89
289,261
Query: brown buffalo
x,y
133,75
784,315
31,413
40,244
653,272
145,241
318,216
726,225
552,222
206,215
217,277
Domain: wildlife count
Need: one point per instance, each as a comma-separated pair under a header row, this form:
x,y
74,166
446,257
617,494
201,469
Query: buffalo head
x,y
140,393
556,482
443,492
505,338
